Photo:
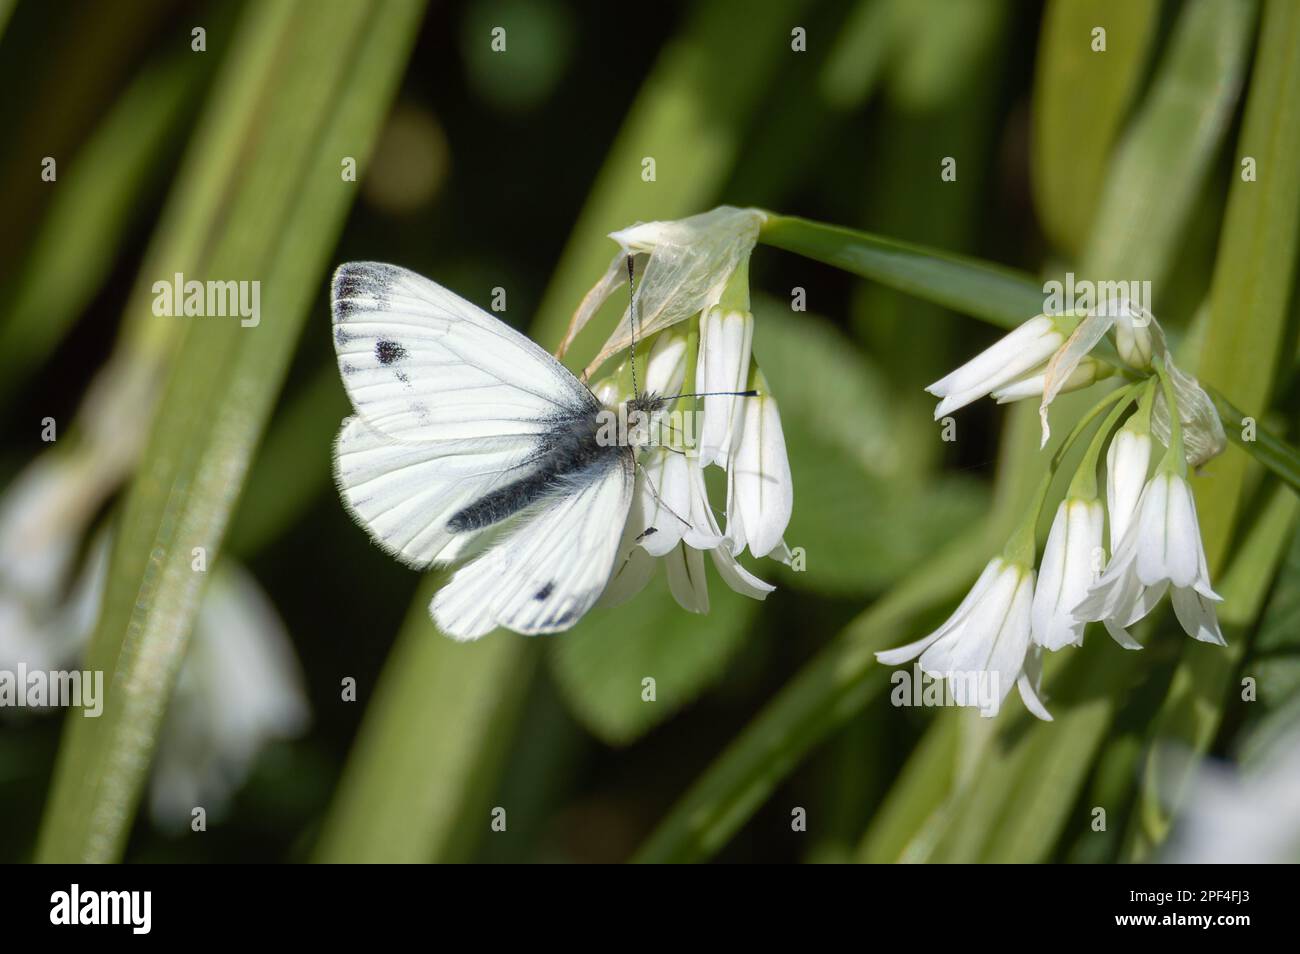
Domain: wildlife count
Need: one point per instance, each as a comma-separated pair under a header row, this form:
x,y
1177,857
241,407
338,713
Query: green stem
x,y
1022,546
1003,297
1174,461
1084,484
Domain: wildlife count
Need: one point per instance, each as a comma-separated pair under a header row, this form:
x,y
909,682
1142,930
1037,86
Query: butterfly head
x,y
640,414
648,404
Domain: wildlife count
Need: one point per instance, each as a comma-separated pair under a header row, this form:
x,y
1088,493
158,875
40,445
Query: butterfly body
x,y
569,456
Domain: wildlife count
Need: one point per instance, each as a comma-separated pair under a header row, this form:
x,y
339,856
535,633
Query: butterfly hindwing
x,y
547,571
406,494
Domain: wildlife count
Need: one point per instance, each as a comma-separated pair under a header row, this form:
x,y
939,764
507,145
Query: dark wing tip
x,y
353,280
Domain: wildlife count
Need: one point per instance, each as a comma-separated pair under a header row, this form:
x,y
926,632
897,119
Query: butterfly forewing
x,y
422,364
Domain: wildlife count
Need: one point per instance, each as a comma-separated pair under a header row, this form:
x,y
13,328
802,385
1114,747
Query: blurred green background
x,y
486,169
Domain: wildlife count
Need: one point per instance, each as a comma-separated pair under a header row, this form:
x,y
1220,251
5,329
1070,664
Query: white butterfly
x,y
471,439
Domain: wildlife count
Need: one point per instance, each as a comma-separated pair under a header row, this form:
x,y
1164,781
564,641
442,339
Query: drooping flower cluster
x,y
1013,613
693,331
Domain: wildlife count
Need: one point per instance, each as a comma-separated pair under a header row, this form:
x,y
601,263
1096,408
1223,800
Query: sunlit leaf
x,y
601,664
1253,283
1081,98
304,87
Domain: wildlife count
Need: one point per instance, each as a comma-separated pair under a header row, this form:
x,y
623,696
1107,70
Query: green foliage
x,y
1250,299
103,189
406,794
876,514
1160,162
277,218
601,663
1080,102
1135,171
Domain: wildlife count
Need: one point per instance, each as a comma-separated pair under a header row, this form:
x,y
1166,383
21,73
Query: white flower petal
x,y
1030,698
901,654
1121,635
892,657
1153,531
967,648
1010,641
1197,616
1067,573
686,579
1066,360
1011,356
760,489
665,367
1033,384
703,533
665,500
1133,335
1183,557
634,566
726,338
1127,461
737,577
1143,601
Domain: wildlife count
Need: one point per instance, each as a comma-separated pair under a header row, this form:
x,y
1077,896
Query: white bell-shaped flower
x,y
1072,560
985,642
1160,550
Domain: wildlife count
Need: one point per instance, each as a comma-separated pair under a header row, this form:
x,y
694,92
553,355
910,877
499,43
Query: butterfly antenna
x,y
631,310
674,397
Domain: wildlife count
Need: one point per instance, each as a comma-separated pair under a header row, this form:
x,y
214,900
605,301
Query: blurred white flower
x,y
1160,549
43,514
1070,565
1233,815
239,689
984,642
